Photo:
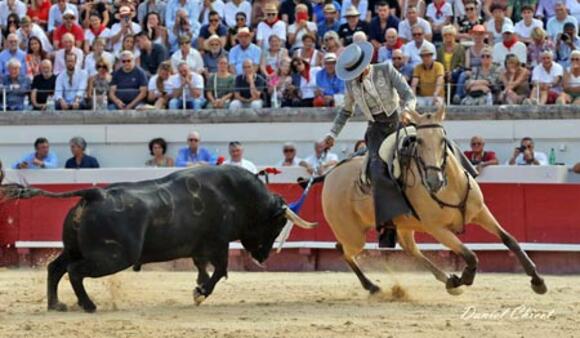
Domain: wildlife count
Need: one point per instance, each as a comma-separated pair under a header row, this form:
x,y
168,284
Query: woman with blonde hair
x,y
540,42
331,43
451,55
571,82
159,88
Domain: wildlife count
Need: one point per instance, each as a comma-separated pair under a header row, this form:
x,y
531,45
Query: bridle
x,y
424,169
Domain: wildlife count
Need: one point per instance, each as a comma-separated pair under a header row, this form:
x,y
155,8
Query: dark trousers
x,y
388,197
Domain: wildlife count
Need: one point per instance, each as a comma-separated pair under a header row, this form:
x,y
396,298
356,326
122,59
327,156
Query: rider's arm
x,y
408,100
344,114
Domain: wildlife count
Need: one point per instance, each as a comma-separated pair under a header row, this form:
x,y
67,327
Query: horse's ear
x,y
414,116
440,115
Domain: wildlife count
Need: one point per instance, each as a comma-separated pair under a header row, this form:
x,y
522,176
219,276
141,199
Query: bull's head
x,y
262,238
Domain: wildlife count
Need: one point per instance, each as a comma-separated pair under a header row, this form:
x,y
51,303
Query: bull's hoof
x,y
60,307
198,296
88,307
539,286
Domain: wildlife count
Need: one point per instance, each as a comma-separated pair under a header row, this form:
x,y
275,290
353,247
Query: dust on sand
x,y
301,305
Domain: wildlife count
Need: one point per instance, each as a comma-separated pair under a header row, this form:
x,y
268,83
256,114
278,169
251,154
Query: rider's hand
x,y
329,141
405,118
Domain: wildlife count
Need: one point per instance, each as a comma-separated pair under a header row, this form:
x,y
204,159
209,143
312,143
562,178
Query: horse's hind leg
x,y
490,224
366,283
448,238
407,242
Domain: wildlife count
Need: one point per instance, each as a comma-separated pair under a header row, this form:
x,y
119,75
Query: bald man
x,y
194,154
479,157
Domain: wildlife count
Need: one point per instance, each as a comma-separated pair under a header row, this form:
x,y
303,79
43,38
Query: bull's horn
x,y
290,215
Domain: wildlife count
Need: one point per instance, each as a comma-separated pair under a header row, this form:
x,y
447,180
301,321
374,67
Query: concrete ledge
x,y
463,113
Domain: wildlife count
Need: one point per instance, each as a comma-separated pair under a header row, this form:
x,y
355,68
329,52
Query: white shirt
x,y
431,13
90,36
308,87
539,156
264,31
500,51
117,28
55,15
405,28
19,8
295,162
312,160
90,62
555,27
574,8
231,9
193,59
59,62
490,27
541,75
38,32
526,31
251,167
363,8
196,79
152,86
411,50
299,34
67,91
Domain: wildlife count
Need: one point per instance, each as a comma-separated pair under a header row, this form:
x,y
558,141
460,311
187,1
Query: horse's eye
x,y
419,141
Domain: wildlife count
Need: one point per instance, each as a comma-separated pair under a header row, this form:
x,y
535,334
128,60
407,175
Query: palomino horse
x,y
444,197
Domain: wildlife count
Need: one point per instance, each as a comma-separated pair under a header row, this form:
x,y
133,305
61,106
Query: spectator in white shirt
x,y
29,29
439,13
555,25
321,161
187,87
188,55
98,52
526,155
509,45
495,25
236,151
68,47
271,26
71,84
525,26
8,7
547,79
301,26
233,7
56,11
290,158
411,20
412,48
123,28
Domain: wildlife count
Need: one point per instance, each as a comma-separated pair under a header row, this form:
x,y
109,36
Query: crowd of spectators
x,y
193,54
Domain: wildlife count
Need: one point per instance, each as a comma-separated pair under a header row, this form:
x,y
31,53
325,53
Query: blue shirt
x,y
318,10
185,156
330,85
238,55
5,56
50,161
16,91
323,27
128,84
375,31
191,7
86,162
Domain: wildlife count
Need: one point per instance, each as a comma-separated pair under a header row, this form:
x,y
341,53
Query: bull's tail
x,y
17,191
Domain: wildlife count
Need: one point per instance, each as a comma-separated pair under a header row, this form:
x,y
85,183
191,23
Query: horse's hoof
x,y
539,286
455,291
198,296
373,289
453,282
60,307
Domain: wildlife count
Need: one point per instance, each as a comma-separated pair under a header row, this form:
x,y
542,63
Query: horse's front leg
x,y
448,238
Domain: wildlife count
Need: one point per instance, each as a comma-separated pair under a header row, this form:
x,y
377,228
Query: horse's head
x,y
431,147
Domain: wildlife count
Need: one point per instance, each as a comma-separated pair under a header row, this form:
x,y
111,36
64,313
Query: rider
x,y
384,97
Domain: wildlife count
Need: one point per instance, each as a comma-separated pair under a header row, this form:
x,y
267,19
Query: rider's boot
x,y
387,234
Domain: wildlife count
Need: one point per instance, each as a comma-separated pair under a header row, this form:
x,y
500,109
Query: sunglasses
x,y
271,14
214,20
575,59
101,66
192,140
486,56
126,61
417,34
476,144
469,8
240,19
397,58
289,150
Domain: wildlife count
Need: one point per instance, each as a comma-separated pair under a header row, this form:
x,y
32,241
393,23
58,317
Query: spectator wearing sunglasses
x,y
128,85
213,27
478,156
471,19
290,158
271,26
194,154
526,155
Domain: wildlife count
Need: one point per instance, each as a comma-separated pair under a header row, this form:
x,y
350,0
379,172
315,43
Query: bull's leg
x,y
106,261
219,260
448,238
490,224
202,275
56,269
366,283
407,242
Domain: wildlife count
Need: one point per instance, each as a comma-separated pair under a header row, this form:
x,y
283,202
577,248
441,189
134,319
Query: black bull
x,y
191,213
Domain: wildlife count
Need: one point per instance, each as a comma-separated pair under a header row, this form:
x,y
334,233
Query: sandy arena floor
x,y
301,305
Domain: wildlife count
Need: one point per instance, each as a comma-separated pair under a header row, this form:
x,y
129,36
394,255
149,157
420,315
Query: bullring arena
x,y
307,289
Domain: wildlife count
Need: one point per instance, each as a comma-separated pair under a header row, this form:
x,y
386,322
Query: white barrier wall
x,y
125,145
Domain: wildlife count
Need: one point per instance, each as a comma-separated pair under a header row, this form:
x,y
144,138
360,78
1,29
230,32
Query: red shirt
x,y
76,30
487,156
41,12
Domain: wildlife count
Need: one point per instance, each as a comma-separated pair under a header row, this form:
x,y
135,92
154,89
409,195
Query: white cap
x,y
507,28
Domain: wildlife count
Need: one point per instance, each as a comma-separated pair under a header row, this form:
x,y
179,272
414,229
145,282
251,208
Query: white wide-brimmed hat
x,y
353,60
